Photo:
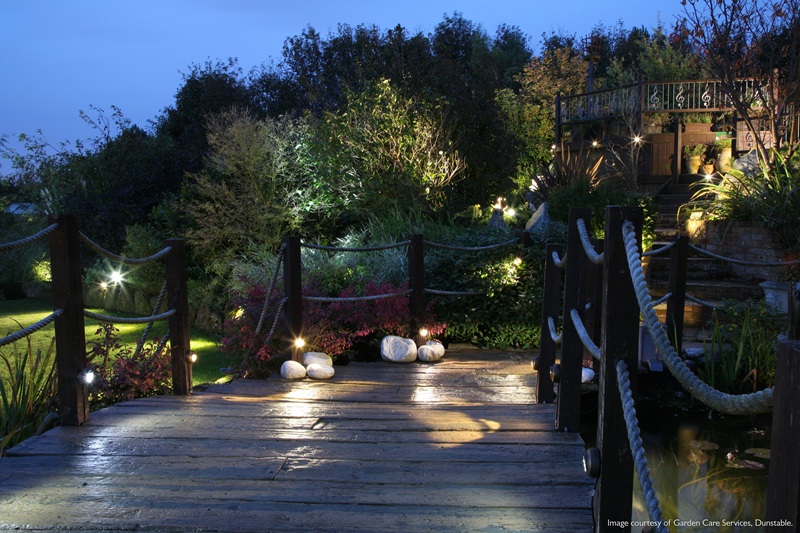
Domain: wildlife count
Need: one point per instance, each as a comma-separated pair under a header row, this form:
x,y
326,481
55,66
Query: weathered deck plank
x,y
456,446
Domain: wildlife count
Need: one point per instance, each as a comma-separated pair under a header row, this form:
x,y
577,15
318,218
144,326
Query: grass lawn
x,y
30,310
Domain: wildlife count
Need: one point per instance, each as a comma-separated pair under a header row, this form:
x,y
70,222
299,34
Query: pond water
x,y
709,472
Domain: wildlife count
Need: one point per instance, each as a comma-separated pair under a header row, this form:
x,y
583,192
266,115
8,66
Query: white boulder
x,y
398,350
428,353
310,358
587,375
437,346
319,371
292,370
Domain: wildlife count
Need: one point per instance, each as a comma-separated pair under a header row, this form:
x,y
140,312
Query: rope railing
x,y
701,302
593,256
551,325
356,298
125,260
637,447
126,320
662,300
471,248
364,249
30,330
278,262
580,328
454,293
742,261
659,251
744,404
146,333
27,241
560,262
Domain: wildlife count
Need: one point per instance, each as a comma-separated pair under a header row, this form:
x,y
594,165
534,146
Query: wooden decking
x,y
453,446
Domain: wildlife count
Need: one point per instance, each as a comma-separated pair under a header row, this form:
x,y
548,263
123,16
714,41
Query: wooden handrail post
x,y
620,340
551,304
293,291
594,292
678,259
416,283
568,411
65,265
178,299
783,486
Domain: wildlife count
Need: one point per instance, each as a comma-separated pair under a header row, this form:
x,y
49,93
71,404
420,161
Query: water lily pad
x,y
704,445
761,453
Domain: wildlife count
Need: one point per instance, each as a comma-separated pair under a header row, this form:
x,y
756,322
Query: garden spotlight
x,y
86,377
191,357
299,343
423,332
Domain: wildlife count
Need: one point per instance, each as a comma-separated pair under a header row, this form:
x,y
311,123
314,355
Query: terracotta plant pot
x,y
693,164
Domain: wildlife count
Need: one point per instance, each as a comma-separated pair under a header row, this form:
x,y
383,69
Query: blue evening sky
x,y
61,56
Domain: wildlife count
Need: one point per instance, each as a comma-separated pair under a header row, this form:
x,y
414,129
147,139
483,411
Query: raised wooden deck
x,y
453,446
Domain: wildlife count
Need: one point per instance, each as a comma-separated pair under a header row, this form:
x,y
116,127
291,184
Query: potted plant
x,y
697,122
708,166
694,157
724,150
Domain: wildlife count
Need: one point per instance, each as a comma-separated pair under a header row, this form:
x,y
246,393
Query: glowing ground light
x,y
299,342
518,261
115,277
423,332
86,376
191,357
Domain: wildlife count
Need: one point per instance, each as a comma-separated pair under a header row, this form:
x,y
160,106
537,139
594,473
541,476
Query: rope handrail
x,y
454,293
30,239
637,447
658,251
275,273
662,299
701,302
161,295
560,262
124,320
343,249
593,256
587,341
742,404
33,328
470,248
125,260
742,261
551,325
356,298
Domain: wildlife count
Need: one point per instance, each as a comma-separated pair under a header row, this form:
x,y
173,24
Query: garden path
x,y
454,446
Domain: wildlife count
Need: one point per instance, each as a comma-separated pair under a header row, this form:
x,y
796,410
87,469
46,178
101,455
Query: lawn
x,y
16,313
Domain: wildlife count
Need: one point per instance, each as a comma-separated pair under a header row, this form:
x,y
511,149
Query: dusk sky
x,y
60,57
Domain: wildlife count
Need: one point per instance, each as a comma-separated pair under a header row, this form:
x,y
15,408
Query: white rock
x,y
398,350
428,353
587,375
437,346
319,371
292,370
310,358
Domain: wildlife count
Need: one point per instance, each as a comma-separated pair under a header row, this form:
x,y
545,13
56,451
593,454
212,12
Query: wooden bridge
x,y
454,446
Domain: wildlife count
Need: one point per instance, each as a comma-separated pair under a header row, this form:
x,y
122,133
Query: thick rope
x,y
701,302
123,320
560,262
125,260
587,341
261,318
741,261
367,249
33,328
356,298
160,300
471,248
551,325
455,293
662,299
637,448
593,256
276,319
163,343
742,404
29,240
661,250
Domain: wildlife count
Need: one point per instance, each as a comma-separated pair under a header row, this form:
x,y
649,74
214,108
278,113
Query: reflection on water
x,y
708,473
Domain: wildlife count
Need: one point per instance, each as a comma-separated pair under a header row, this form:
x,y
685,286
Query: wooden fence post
x,y
783,486
551,304
65,264
678,259
620,340
178,299
293,290
568,411
416,282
